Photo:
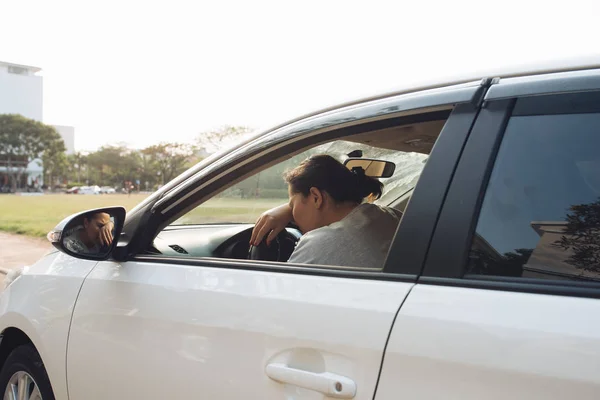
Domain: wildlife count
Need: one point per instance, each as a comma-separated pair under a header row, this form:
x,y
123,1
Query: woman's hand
x,y
270,223
106,235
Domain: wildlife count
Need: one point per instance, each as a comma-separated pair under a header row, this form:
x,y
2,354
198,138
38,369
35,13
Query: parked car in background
x,y
490,290
107,190
90,190
73,190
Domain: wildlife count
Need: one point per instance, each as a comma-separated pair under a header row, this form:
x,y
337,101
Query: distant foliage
x,y
121,167
23,140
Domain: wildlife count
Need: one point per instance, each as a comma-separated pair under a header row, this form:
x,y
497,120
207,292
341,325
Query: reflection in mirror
x,y
372,167
90,234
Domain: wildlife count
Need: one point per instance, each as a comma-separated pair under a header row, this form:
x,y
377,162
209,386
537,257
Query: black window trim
x,y
412,239
454,230
278,267
448,255
541,286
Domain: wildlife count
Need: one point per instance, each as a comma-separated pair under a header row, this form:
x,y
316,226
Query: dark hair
x,y
326,173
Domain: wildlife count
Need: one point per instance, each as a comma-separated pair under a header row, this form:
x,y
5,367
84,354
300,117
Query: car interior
x,y
412,142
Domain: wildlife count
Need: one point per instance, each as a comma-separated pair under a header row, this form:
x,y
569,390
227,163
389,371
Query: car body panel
x,y
213,331
40,303
461,343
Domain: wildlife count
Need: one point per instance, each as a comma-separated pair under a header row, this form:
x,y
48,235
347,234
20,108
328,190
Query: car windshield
x,y
408,166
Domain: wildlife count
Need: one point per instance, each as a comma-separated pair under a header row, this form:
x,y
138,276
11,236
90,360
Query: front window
x,y
246,200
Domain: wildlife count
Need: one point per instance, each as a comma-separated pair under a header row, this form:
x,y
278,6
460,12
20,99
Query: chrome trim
x,y
573,81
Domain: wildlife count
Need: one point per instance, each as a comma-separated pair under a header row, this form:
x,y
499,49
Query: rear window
x,y
540,216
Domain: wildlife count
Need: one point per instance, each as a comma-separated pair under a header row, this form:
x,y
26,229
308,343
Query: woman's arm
x,y
270,224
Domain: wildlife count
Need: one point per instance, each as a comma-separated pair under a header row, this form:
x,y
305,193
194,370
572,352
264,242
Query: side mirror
x,y
90,235
373,168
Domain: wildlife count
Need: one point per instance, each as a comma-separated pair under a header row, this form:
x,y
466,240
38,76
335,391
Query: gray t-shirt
x,y
361,239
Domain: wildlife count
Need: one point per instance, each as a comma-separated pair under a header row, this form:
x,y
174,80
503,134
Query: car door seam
x,y
71,324
388,339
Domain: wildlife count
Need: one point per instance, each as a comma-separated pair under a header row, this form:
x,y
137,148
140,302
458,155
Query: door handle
x,y
329,384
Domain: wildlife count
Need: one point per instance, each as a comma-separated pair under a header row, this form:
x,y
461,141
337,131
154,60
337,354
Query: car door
x,y
176,331
175,327
507,302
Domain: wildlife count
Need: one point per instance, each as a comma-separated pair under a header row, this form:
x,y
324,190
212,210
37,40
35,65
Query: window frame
x,y
448,255
293,268
408,108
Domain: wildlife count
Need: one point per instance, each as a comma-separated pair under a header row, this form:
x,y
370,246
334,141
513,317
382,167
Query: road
x,y
18,250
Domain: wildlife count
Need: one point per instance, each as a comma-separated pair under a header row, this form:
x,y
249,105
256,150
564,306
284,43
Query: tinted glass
x,y
540,216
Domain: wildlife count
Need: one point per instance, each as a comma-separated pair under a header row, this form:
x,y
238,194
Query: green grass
x,y
37,215
221,210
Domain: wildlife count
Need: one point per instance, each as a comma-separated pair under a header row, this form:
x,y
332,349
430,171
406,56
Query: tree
x,y
55,162
23,140
167,160
222,138
112,165
76,163
582,236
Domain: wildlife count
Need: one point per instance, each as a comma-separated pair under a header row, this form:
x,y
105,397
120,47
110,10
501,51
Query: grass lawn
x,y
223,210
37,215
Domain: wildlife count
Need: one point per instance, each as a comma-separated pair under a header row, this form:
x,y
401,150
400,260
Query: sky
x,y
142,72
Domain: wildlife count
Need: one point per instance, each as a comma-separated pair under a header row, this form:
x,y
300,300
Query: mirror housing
x,y
80,235
372,167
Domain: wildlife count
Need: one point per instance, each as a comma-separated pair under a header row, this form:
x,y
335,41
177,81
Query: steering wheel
x,y
264,252
282,245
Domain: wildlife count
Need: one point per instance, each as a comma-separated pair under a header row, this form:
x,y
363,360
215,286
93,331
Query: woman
x,y
93,236
326,202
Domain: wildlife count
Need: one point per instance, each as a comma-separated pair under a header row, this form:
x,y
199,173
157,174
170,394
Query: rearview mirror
x,y
91,235
373,168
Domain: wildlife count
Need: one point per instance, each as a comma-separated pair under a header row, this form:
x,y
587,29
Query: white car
x,y
90,190
107,190
490,289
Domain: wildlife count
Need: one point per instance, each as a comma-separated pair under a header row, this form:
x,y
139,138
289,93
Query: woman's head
x,y
92,226
322,191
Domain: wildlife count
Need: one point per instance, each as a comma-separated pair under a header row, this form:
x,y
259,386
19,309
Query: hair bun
x,y
359,172
326,173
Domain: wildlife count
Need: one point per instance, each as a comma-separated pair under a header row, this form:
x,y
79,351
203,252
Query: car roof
x,y
504,71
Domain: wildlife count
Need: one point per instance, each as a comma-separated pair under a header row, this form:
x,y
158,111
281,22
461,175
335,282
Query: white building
x,y
68,135
21,92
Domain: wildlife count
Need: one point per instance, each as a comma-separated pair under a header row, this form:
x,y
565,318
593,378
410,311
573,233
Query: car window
x,y
246,200
540,216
